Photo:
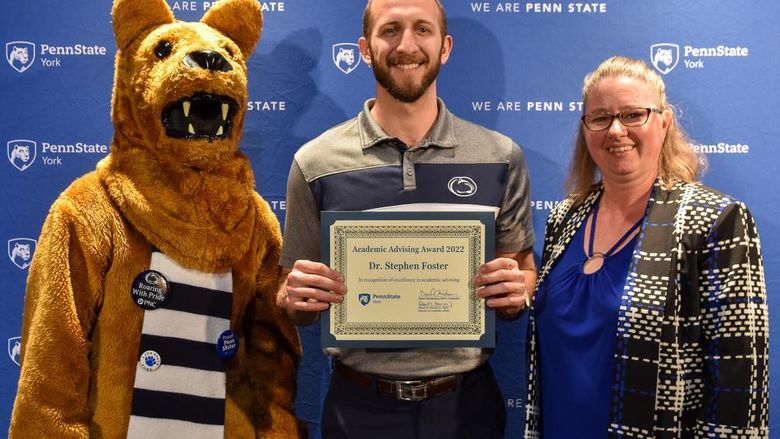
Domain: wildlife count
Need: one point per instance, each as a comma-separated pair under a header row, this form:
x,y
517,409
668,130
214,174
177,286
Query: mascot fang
x,y
150,299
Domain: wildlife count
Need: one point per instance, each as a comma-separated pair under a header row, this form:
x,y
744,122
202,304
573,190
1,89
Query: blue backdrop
x,y
517,67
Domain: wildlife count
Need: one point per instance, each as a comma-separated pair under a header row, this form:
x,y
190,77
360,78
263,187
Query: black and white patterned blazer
x,y
692,350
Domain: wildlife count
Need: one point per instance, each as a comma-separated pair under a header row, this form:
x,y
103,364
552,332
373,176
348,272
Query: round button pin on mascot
x,y
110,350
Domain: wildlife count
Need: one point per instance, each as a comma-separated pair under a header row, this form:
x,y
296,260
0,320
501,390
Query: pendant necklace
x,y
595,260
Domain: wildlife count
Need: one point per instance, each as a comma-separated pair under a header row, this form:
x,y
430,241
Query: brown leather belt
x,y
406,390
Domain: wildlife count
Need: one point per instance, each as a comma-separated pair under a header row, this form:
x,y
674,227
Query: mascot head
x,y
180,89
178,107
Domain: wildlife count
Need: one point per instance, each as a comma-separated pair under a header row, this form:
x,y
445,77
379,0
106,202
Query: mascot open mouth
x,y
200,116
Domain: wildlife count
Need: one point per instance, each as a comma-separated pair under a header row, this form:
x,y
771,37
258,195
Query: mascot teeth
x,y
200,116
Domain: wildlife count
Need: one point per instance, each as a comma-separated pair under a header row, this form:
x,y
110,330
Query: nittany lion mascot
x,y
149,310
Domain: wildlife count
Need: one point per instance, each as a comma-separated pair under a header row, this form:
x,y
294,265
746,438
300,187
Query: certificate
x,y
408,277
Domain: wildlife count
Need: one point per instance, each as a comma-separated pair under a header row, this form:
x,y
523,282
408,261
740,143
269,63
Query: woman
x,y
650,317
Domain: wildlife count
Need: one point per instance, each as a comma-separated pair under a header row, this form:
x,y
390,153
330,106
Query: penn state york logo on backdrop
x,y
664,56
22,153
20,55
15,349
346,56
21,250
462,186
364,298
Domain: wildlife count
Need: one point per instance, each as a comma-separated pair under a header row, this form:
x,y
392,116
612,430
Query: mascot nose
x,y
207,59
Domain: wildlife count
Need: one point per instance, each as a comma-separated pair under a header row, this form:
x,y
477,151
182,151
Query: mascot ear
x,y
239,20
131,17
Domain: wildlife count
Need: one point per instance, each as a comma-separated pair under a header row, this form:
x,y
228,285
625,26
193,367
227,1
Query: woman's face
x,y
625,155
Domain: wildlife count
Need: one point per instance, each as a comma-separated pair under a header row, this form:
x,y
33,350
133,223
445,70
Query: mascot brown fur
x,y
175,184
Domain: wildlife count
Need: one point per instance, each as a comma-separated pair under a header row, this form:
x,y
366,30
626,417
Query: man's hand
x,y
308,288
507,282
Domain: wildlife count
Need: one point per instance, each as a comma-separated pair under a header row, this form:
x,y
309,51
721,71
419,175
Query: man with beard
x,y
400,153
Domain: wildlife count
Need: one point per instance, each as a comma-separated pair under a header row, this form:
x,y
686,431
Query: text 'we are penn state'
x,y
539,8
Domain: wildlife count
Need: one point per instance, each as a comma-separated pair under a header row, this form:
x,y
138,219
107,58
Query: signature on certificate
x,y
437,294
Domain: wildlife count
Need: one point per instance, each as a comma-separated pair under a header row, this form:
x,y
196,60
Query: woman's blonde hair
x,y
677,161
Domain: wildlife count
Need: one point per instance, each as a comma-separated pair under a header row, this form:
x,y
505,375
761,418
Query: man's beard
x,y
408,92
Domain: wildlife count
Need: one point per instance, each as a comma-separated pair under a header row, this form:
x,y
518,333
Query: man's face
x,y
405,46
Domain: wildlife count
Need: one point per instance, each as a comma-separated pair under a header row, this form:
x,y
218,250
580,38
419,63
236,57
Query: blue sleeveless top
x,y
576,322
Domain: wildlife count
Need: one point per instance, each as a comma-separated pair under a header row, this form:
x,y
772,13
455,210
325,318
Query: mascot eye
x,y
163,49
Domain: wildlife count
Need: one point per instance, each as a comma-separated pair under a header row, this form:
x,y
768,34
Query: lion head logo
x,y
345,58
21,153
15,350
20,55
20,251
664,56
462,186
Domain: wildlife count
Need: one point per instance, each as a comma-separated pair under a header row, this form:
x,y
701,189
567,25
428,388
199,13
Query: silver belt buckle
x,y
411,390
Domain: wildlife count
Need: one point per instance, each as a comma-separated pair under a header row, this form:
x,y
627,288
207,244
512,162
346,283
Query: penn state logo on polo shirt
x,y
462,186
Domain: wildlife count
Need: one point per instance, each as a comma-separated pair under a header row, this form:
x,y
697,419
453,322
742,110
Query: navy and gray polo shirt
x,y
357,166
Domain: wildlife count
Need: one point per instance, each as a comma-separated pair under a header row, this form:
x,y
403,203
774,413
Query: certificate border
x,y
487,340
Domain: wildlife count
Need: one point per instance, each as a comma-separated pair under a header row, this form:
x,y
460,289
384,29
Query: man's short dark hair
x,y
367,19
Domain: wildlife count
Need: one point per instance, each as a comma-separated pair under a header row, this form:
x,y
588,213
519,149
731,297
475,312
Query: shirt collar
x,y
440,135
